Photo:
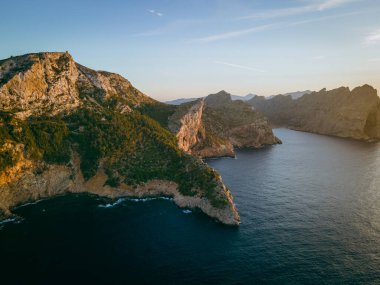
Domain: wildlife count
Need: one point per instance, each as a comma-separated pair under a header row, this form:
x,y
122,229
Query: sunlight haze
x,y
172,49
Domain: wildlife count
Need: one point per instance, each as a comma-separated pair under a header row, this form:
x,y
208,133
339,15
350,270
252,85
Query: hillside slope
x,y
67,128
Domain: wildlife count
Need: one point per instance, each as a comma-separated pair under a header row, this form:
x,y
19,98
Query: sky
x,y
190,48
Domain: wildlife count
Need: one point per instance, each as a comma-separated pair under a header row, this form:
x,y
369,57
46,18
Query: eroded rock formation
x,y
213,126
340,112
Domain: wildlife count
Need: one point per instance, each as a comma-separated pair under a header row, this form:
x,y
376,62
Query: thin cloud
x,y
312,20
233,34
292,11
277,13
333,4
240,66
374,59
373,38
278,25
159,14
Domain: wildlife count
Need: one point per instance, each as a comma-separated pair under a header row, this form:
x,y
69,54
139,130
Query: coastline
x,y
22,186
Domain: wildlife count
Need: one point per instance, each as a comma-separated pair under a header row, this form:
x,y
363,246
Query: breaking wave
x,y
12,220
121,200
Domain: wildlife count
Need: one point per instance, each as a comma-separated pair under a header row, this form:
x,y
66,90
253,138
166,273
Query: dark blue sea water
x,y
310,212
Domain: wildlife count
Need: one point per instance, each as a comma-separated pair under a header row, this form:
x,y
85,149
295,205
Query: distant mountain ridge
x,y
294,95
339,112
213,126
186,100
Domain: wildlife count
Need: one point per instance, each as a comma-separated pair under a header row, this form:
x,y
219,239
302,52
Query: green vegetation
x,y
158,111
132,148
43,138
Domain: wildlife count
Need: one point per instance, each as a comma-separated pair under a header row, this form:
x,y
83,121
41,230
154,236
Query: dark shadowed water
x,y
310,212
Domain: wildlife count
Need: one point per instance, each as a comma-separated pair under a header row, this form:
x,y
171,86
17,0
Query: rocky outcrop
x,y
339,112
187,125
53,83
38,84
28,181
213,126
52,107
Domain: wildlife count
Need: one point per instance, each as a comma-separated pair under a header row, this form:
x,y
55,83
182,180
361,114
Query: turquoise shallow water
x,y
310,211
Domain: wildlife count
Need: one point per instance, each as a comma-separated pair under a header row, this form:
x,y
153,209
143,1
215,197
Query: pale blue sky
x,y
190,48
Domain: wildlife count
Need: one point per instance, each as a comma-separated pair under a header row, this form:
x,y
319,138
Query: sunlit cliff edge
x,y
67,128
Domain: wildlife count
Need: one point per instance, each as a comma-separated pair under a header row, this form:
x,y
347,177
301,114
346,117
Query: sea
x,y
310,214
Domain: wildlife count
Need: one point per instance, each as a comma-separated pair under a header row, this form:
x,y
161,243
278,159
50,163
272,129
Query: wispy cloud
x,y
323,18
318,6
159,14
374,59
232,34
332,4
240,66
277,25
277,13
373,38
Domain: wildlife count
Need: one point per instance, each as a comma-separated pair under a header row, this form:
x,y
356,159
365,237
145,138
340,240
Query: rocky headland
x,y
215,125
66,128
341,112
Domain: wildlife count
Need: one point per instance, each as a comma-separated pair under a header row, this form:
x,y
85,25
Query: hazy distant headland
x,y
339,112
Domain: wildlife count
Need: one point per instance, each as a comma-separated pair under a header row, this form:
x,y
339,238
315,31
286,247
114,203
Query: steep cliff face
x,y
213,126
67,128
30,181
186,123
339,112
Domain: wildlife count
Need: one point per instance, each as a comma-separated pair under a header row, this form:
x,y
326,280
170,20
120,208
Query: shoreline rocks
x,y
21,184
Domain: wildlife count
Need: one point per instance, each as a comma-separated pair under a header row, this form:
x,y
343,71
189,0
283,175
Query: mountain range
x,y
339,112
186,100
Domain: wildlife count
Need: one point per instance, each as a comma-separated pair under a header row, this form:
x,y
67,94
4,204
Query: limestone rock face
x,y
53,83
189,126
339,112
49,100
38,83
213,126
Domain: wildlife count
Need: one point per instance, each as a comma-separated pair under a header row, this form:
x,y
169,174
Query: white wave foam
x,y
149,199
30,203
186,211
9,220
136,200
14,220
110,205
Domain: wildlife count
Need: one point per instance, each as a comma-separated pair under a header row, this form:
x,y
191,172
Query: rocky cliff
x,y
67,128
213,126
340,112
29,181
